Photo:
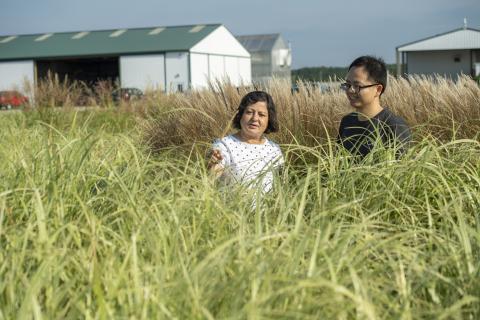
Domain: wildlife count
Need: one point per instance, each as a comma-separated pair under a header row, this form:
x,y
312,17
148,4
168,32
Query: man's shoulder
x,y
352,117
391,117
397,126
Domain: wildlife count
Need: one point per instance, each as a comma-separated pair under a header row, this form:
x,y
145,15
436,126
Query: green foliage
x,y
323,74
94,120
92,226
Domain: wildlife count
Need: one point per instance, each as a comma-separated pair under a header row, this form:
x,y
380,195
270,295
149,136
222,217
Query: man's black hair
x,y
252,98
376,68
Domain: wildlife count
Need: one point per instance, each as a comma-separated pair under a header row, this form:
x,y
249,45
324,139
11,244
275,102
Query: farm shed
x,y
271,56
169,58
450,54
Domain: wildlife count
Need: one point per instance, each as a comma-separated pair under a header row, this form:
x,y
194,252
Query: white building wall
x,y
439,62
14,74
281,60
245,70
227,58
177,71
216,67
199,70
232,70
221,42
206,68
143,71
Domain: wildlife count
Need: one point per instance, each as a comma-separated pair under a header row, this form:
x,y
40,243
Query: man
x,y
371,124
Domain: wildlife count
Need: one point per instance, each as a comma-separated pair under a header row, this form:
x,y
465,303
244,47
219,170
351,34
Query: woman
x,y
248,157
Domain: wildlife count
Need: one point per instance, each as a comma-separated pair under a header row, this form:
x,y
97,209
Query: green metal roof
x,y
95,43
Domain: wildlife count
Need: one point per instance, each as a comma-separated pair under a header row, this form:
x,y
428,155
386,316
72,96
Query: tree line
x,y
327,73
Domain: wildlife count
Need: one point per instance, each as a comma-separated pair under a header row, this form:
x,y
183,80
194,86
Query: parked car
x,y
12,99
126,94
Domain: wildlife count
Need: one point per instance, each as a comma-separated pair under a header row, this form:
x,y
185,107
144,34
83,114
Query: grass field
x,y
102,216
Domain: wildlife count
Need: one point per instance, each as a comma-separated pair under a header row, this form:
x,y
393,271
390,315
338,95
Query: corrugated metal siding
x,y
455,40
102,43
448,63
143,71
14,73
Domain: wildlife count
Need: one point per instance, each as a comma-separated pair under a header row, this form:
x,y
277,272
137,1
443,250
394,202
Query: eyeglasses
x,y
355,87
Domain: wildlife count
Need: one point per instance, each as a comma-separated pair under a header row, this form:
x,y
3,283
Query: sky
x,y
321,33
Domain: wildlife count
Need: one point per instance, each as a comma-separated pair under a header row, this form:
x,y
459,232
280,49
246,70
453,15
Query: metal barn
x,y
449,54
271,56
168,58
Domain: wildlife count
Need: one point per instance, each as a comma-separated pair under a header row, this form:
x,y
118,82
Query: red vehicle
x,y
127,94
12,99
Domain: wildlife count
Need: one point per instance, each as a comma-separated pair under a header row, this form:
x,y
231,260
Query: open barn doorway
x,y
94,79
90,71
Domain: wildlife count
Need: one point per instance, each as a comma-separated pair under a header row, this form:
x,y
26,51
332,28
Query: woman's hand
x,y
214,160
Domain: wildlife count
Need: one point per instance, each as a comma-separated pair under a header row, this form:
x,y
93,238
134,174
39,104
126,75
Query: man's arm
x,y
402,136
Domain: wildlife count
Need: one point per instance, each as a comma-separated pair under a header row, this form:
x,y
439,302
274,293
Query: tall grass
x,y
432,105
93,225
54,91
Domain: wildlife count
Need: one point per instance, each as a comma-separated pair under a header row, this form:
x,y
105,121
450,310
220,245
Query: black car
x,y
126,94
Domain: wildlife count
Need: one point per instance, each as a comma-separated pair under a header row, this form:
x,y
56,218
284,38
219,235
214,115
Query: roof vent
x,y
8,39
196,29
80,35
156,31
117,33
44,37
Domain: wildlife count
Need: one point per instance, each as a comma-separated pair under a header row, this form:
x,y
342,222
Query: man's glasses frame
x,y
356,88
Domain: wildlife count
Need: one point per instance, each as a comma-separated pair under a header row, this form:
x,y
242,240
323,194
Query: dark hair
x,y
376,68
252,98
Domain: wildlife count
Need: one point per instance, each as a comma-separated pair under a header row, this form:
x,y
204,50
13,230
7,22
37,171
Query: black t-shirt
x,y
360,136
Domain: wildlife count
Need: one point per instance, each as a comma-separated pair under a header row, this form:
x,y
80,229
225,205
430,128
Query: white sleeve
x,y
275,155
220,145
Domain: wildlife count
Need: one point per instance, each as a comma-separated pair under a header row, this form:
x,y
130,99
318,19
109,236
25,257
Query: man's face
x,y
358,77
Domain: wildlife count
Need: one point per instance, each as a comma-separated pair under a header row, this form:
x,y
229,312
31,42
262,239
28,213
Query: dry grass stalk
x,y
431,105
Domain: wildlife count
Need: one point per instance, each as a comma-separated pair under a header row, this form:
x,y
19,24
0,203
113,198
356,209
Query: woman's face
x,y
254,120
